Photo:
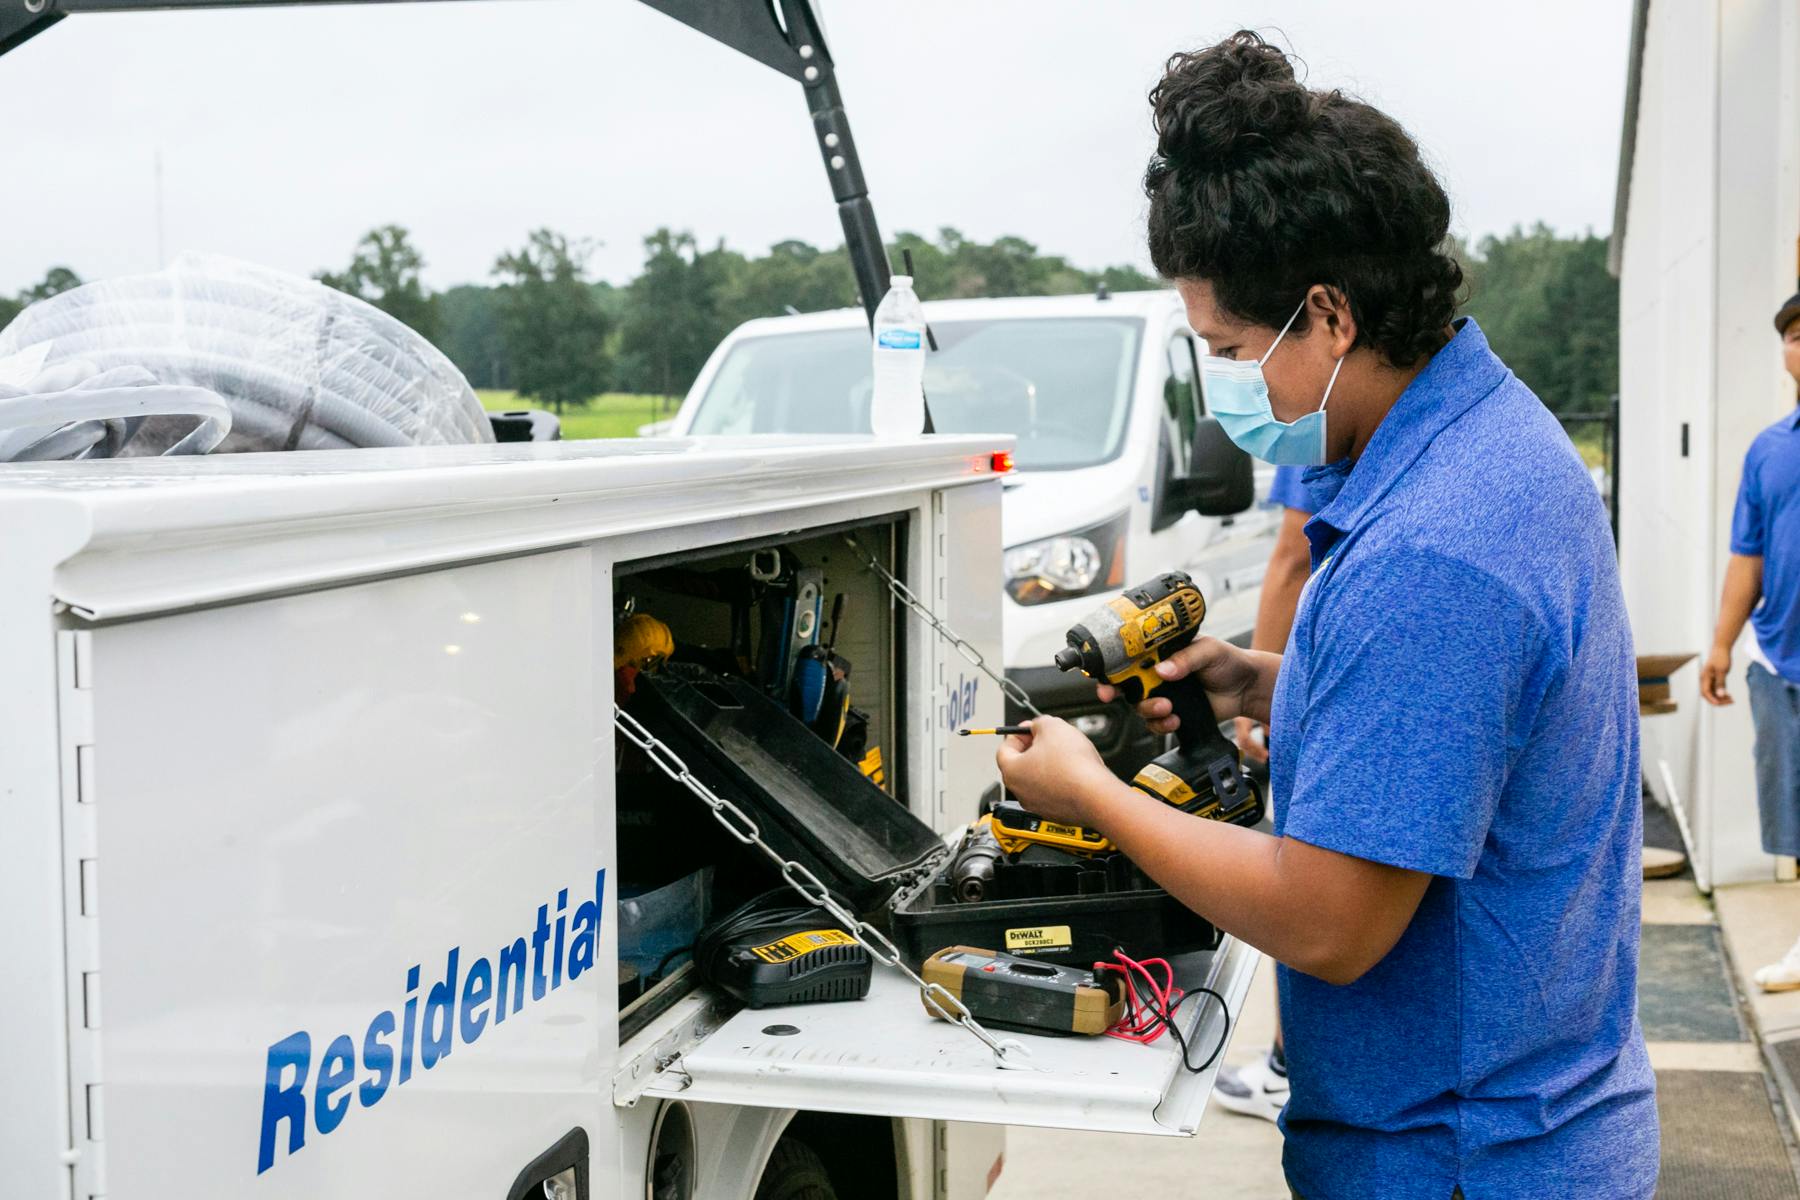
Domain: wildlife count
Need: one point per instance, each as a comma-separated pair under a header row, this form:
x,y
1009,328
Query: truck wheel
x,y
795,1172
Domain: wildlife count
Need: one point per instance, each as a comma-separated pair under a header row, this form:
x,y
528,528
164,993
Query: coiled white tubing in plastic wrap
x,y
299,366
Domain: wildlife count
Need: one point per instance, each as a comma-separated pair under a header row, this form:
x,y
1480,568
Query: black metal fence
x,y
1579,427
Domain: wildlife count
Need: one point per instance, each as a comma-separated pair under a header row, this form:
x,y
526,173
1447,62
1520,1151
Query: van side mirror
x,y
1221,478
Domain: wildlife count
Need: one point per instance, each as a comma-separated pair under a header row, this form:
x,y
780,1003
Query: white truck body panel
x,y
289,793
281,728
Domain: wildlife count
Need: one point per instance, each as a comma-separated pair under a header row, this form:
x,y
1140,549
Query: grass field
x,y
618,415
614,415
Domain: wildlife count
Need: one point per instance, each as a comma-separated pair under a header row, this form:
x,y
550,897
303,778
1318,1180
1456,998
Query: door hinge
x,y
671,1067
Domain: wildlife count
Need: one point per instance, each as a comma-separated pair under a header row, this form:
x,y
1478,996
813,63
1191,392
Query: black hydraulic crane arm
x,y
795,46
783,34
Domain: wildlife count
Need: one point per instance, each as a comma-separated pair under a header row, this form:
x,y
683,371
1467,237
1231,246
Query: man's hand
x,y
1054,771
1712,676
1240,683
1254,748
1743,588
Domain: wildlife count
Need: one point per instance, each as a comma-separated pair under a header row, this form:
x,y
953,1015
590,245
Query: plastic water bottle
x,y
897,408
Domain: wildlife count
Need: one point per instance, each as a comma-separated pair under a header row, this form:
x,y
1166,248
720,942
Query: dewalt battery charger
x,y
770,951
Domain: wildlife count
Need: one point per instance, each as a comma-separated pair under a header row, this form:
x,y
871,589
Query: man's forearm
x,y
1275,611
1290,563
1743,588
1258,699
1234,877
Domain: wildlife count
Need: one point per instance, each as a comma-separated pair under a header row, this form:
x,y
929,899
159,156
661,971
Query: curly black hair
x,y
1264,187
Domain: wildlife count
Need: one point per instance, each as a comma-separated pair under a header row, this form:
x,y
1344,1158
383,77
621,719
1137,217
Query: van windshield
x,y
1061,385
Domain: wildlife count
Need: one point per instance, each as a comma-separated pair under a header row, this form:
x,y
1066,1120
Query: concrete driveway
x,y
1231,1158
1724,1055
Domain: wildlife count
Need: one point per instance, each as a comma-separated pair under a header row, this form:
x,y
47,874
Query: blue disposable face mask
x,y
1238,395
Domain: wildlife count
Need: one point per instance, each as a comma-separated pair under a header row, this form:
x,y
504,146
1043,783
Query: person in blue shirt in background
x,y
1452,885
1762,587
1290,562
1260,1088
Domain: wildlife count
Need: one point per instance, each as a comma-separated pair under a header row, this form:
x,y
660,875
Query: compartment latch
x,y
670,1065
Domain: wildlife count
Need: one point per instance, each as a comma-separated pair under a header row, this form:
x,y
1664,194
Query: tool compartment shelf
x,y
885,1055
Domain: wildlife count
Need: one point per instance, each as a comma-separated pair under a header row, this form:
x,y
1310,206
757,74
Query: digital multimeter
x,y
1008,992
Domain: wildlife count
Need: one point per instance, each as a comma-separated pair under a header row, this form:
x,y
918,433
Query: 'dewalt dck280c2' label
x,y
310,1082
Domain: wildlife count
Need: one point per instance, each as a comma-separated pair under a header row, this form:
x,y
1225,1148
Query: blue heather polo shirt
x,y
1288,489
1766,523
1460,698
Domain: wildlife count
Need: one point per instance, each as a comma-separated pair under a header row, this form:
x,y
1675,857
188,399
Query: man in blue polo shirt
x,y
1462,622
1290,562
1454,723
1452,886
1762,586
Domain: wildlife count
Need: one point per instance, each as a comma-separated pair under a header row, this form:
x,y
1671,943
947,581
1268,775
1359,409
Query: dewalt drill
x,y
1120,644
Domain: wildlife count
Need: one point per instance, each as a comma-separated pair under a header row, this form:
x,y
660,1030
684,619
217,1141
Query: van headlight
x,y
1068,565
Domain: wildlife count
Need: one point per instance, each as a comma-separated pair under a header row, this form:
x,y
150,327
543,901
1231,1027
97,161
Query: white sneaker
x,y
1256,1090
1783,976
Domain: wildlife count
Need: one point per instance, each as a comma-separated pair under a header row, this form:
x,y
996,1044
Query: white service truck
x,y
312,819
1103,395
317,833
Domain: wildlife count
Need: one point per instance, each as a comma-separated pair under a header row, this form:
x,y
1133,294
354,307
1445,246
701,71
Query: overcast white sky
x,y
285,133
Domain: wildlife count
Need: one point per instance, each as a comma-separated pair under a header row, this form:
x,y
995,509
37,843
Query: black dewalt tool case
x,y
1112,906
814,806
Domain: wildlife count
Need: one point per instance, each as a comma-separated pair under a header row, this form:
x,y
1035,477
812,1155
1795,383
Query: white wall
x,y
1709,252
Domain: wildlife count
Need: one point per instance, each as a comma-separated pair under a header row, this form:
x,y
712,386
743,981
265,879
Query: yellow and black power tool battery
x,y
1018,994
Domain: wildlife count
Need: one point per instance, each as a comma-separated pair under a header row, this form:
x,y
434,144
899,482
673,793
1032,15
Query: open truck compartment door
x,y
885,1056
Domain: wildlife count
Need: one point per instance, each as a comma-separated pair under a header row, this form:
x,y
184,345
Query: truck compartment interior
x,y
782,660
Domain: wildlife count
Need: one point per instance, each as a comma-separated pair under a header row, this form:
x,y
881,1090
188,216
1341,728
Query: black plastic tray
x,y
1117,907
811,804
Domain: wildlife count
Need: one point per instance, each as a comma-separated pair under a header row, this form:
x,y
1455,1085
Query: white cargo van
x,y
1103,395
314,831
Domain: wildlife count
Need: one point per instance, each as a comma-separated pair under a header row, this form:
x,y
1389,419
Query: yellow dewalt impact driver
x,y
1120,644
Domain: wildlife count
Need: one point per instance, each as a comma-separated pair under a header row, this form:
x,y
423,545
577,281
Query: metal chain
x,y
742,826
960,644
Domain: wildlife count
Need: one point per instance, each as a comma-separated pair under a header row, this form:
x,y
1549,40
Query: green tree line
x,y
558,337
1551,312
544,327
55,280
547,330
